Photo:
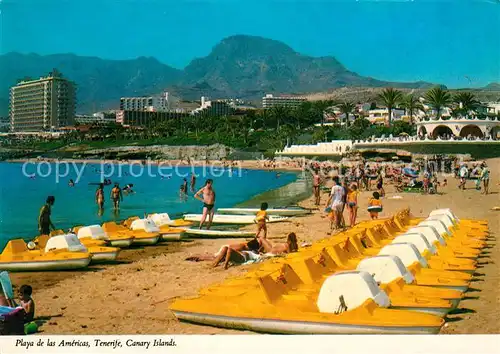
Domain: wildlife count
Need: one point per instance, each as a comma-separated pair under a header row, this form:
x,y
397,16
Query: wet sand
x,y
132,296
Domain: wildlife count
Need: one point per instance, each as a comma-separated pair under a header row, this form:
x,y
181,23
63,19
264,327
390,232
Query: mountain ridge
x,y
238,66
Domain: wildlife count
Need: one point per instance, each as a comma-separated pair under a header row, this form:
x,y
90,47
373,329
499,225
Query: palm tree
x,y
412,104
390,98
346,108
466,102
438,99
279,114
322,107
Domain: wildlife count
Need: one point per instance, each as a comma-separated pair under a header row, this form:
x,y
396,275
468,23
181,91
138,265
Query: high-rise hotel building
x,y
43,104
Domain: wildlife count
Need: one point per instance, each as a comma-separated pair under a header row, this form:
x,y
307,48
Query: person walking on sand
x,y
463,172
374,206
44,221
380,184
99,196
352,204
335,202
116,196
260,219
208,200
316,187
485,177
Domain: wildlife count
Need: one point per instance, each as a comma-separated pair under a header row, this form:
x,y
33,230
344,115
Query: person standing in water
x,y
99,196
116,196
208,200
193,182
44,222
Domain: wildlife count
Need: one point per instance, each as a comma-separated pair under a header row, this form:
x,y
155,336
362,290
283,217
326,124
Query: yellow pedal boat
x,y
347,303
138,237
309,275
16,257
97,233
167,233
96,249
163,219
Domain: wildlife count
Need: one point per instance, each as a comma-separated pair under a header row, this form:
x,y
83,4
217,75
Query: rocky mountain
x,y
239,66
494,86
248,66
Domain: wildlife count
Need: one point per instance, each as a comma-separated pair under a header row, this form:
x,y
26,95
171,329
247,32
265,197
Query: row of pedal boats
x,y
399,275
102,243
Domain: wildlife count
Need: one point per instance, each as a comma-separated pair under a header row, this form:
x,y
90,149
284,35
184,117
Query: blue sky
x,y
454,42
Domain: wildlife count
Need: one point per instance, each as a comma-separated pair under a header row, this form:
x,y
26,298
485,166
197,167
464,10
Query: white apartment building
x,y
150,104
96,118
269,101
43,104
217,108
492,107
381,115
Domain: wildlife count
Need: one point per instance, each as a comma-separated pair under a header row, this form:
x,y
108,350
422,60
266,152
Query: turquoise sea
x,y
22,195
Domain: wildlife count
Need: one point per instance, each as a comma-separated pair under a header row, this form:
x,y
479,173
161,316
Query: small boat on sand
x,y
234,219
347,303
58,255
163,219
149,226
96,232
164,224
140,237
271,211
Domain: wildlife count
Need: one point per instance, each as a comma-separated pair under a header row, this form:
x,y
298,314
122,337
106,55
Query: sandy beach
x,y
109,299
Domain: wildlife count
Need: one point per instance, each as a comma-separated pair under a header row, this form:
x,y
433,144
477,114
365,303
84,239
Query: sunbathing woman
x,y
237,253
244,252
280,248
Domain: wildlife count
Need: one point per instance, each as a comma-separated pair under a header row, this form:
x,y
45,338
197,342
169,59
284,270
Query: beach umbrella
x,y
410,172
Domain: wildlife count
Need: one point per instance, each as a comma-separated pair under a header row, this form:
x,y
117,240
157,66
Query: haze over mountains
x,y
239,66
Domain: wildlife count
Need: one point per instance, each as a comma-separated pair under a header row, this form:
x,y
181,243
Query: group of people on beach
x,y
478,172
345,195
250,251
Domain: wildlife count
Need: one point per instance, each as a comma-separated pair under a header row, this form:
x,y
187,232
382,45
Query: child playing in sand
x,y
352,204
261,219
374,205
27,302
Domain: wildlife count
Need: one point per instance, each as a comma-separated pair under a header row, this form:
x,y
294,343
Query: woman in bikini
x,y
352,204
280,248
240,253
